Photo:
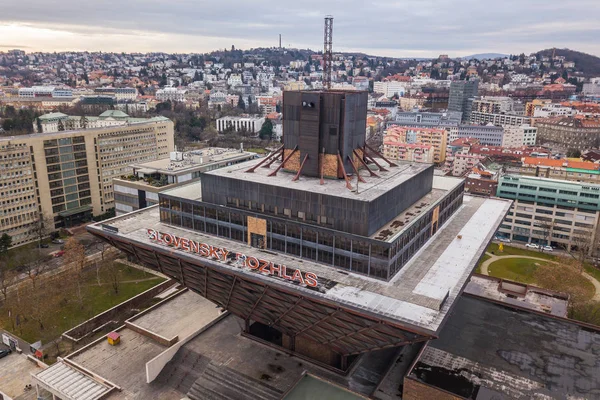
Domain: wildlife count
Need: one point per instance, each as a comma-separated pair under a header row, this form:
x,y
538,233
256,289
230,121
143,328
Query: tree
x,y
546,229
61,126
5,243
574,153
266,131
83,122
113,275
39,125
241,105
41,228
75,257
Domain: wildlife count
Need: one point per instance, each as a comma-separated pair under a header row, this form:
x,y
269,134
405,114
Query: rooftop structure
x,y
507,353
519,295
342,256
140,189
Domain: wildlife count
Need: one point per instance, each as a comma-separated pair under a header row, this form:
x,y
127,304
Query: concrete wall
x,y
82,330
156,365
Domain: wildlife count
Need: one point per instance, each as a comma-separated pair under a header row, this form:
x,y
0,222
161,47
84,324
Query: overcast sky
x,y
423,28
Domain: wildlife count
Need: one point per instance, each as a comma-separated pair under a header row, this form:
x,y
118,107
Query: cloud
x,y
382,27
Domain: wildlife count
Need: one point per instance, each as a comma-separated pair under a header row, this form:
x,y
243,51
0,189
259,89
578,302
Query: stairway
x,y
183,370
223,383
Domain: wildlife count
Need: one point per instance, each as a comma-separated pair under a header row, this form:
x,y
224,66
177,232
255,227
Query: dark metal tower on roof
x,y
327,51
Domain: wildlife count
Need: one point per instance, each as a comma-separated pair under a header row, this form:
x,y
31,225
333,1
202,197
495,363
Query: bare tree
x,y
113,275
34,265
581,246
546,229
42,228
75,257
7,278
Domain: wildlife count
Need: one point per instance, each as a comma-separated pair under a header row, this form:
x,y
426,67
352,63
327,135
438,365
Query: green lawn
x,y
592,271
557,277
62,309
514,269
508,250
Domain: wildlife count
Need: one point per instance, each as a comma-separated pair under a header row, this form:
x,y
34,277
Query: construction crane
x,y
327,51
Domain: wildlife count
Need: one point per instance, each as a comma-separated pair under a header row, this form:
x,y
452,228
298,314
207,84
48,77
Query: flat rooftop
x,y
494,351
223,361
420,295
125,364
368,191
518,294
192,160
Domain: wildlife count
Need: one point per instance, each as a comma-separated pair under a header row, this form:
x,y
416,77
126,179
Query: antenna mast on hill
x,y
327,51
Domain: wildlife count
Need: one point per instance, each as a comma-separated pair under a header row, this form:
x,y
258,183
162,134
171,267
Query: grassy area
x,y
508,250
592,271
61,309
514,269
561,278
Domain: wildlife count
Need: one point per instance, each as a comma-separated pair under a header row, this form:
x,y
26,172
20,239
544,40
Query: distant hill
x,y
485,56
588,64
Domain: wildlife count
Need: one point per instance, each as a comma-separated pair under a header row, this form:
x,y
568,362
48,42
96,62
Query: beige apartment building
x,y
435,138
67,176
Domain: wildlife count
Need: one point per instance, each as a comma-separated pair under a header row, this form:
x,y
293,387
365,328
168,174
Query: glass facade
x,y
363,255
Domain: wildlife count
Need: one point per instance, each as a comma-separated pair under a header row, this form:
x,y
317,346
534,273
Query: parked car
x,y
532,246
59,253
44,245
4,353
547,248
58,241
505,240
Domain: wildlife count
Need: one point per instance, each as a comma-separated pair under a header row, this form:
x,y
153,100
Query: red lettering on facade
x,y
297,276
284,274
264,267
275,269
310,279
205,250
252,262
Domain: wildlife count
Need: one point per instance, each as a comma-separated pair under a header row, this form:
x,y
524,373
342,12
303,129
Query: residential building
x,y
592,88
481,182
462,95
413,152
141,188
120,93
427,119
58,122
518,136
571,132
553,110
494,105
396,136
564,169
390,88
551,212
170,94
410,102
46,91
482,118
71,172
488,135
240,124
